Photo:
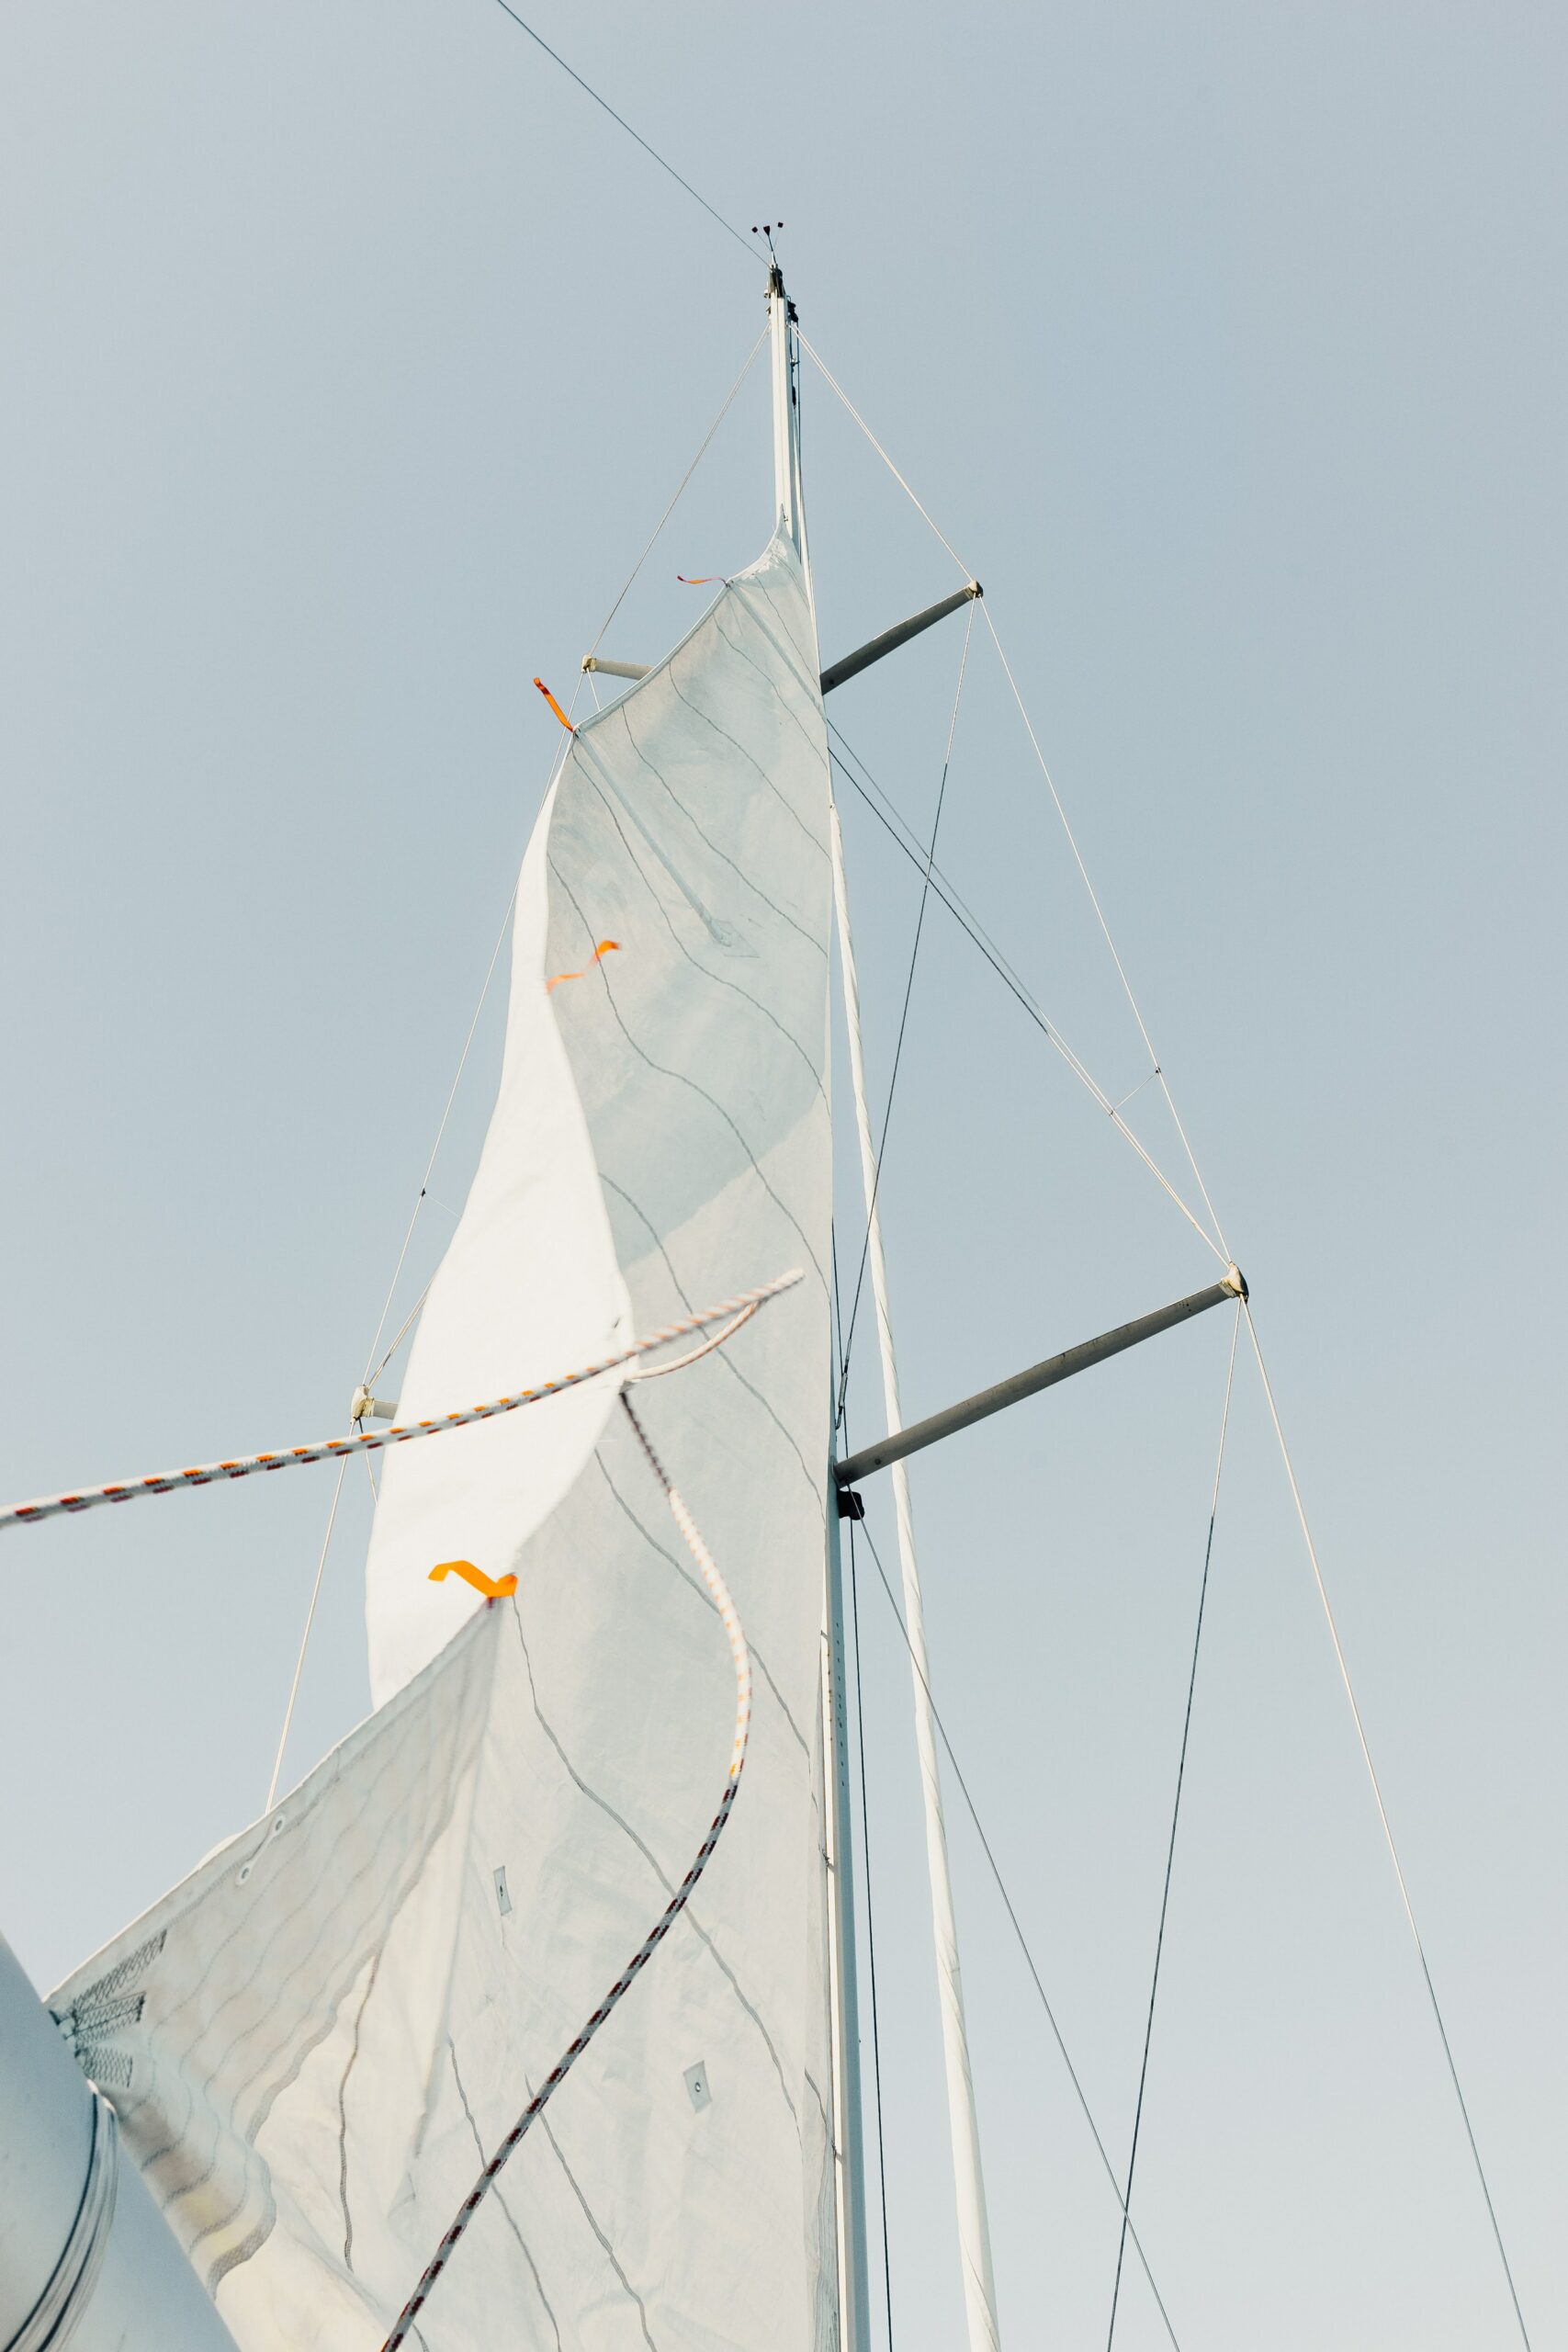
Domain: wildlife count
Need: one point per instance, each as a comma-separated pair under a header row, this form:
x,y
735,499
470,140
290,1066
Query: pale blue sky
x,y
349,356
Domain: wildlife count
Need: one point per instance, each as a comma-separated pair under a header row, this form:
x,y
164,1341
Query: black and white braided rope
x,y
656,1935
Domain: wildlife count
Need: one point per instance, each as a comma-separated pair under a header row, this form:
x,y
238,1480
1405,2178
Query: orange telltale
x,y
605,948
493,1588
555,707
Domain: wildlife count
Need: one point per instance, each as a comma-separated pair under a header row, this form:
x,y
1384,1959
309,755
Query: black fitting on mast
x,y
775,275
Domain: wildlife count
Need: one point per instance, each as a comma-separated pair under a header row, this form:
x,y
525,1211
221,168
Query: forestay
x,y
314,2042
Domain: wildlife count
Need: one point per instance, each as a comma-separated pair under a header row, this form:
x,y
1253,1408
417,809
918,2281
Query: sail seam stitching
x,y
682,1078
535,2109
717,978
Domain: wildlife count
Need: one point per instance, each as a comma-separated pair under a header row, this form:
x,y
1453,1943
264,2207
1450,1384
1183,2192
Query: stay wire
x,y
371,1366
836,1329
305,1640
949,897
1156,1071
702,452
1175,1818
871,1943
837,389
401,1333
838,1307
1022,1942
375,1366
847,1337
664,165
1387,1826
893,823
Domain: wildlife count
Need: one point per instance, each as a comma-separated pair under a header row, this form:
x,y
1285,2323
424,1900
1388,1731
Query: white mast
x,y
854,2291
974,2231
789,511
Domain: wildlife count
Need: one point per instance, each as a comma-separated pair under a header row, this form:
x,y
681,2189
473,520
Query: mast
x,y
974,2230
789,510
848,2169
855,2278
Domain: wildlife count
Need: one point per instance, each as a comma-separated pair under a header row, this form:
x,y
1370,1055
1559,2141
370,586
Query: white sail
x,y
227,2026
327,2049
529,1287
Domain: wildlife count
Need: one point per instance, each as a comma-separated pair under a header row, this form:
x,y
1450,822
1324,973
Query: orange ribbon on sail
x,y
555,707
492,1588
605,948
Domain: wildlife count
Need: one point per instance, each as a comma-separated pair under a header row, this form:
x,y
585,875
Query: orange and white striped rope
x,y
207,1474
740,1658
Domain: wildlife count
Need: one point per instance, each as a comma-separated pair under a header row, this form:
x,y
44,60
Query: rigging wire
x,y
871,1943
685,478
305,1640
835,1335
512,902
833,384
590,92
1222,1251
1387,1826
949,900
1175,1818
889,816
402,1332
1156,1071
371,1367
377,1366
374,1368
837,1306
1022,1942
847,1338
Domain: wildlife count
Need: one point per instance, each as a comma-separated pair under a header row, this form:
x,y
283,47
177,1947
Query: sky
x,y
351,357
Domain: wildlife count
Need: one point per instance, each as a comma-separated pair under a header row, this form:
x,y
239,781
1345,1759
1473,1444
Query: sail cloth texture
x,y
326,2053
226,2025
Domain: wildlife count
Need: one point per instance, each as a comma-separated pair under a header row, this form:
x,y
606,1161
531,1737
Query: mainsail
x,y
316,2040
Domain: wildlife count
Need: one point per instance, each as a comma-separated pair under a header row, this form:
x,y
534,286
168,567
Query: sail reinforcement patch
x,y
697,2084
